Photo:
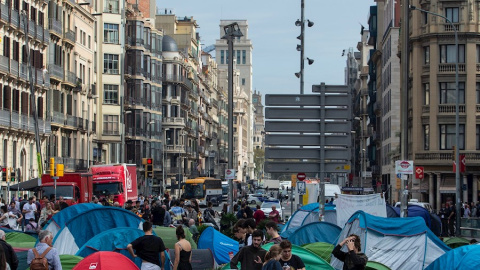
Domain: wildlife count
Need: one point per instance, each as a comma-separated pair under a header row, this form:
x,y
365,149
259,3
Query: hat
x,y
129,201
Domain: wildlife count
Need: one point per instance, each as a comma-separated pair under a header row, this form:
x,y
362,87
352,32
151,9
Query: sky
x,y
273,33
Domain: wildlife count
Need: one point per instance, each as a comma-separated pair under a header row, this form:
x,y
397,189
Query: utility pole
x,y
404,107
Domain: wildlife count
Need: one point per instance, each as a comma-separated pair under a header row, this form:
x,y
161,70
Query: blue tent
x,y
116,239
399,243
58,221
310,213
78,230
417,211
312,233
391,211
464,258
218,243
436,226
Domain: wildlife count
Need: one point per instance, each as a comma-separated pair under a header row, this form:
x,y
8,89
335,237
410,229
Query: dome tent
x,y
311,260
324,250
78,230
106,260
310,213
218,243
312,233
58,220
464,258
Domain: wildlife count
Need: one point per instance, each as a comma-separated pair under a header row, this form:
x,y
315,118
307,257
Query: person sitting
x,y
4,217
31,226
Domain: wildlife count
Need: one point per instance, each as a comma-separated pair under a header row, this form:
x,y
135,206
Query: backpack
x,y
39,262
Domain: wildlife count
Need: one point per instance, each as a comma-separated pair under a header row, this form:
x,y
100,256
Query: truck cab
x,y
119,180
69,186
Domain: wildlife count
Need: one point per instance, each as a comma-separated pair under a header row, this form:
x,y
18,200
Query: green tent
x,y
375,266
311,260
455,242
322,249
20,240
67,261
169,236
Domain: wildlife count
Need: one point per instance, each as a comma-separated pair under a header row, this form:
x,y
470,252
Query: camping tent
x,y
417,211
464,257
59,219
116,239
106,260
69,261
324,250
78,230
20,240
391,211
455,242
311,260
398,243
169,236
375,266
313,232
201,259
310,213
218,243
436,224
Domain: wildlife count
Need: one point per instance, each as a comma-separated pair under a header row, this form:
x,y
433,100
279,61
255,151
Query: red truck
x,y
117,179
69,186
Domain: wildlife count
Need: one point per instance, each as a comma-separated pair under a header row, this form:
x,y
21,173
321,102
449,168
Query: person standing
x,y
259,215
147,248
288,260
451,219
274,215
44,247
158,214
29,209
444,218
272,257
353,259
250,257
272,230
10,255
183,251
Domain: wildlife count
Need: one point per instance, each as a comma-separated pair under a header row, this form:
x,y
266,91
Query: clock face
x,y
255,99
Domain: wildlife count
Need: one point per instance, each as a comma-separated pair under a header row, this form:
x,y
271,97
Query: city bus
x,y
224,190
204,189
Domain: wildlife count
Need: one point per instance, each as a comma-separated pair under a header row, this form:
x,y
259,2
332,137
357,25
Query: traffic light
x,y
4,174
52,166
148,162
12,175
60,170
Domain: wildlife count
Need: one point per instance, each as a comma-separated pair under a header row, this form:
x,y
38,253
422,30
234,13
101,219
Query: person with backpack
x,y
44,256
32,226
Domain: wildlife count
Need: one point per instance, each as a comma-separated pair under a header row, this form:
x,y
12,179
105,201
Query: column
x,y
475,189
430,189
465,192
439,197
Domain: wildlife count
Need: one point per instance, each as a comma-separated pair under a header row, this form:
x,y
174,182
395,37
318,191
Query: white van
x,y
425,205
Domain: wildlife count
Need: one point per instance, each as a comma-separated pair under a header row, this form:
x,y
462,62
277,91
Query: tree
x,y
259,159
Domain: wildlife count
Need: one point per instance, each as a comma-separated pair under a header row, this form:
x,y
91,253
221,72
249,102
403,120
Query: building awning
x,y
448,189
32,184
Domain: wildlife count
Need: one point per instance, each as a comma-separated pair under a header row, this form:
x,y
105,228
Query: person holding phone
x,y
353,259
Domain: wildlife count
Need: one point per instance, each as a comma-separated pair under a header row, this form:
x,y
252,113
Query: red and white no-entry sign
x,y
301,176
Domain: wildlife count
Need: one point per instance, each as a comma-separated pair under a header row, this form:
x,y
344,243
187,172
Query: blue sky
x,y
273,34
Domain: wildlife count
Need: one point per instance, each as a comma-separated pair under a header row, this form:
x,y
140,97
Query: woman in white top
x,y
4,217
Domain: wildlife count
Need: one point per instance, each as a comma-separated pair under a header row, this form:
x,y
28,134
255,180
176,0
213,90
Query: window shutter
x,y
51,54
1,96
40,107
24,103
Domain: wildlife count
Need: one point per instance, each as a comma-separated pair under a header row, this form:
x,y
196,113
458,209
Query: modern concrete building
x,y
431,98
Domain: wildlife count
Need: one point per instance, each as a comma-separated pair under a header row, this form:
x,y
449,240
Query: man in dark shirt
x,y
158,214
353,259
147,248
288,259
444,217
451,219
10,255
250,257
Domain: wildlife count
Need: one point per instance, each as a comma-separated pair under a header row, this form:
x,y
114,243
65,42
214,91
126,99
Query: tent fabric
x,y
313,232
324,250
310,213
391,211
464,258
398,243
218,243
78,230
20,240
106,260
376,266
436,224
169,236
201,259
455,242
58,220
417,211
69,261
311,260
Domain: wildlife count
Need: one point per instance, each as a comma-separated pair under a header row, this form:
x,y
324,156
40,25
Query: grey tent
x,y
201,259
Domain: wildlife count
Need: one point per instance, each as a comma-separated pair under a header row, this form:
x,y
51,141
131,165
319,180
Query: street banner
x,y
463,162
419,173
404,166
347,205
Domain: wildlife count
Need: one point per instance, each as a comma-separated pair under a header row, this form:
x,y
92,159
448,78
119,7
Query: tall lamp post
x,y
457,120
232,31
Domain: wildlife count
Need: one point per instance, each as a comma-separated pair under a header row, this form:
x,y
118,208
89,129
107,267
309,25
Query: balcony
x,y
4,118
56,72
46,36
15,122
58,118
14,68
450,108
55,27
179,148
426,109
4,64
445,157
14,18
178,79
451,28
450,68
173,121
71,121
39,32
70,79
111,132
24,72
31,28
4,13
69,36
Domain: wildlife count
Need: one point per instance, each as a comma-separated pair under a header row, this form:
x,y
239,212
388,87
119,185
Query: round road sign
x,y
301,176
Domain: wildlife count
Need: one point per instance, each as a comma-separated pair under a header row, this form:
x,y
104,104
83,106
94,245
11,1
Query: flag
x,y
463,162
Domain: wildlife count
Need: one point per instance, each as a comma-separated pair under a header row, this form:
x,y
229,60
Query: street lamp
x,y
231,32
301,46
457,120
354,150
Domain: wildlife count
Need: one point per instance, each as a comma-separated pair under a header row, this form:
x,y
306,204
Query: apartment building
x,y
431,98
25,38
258,134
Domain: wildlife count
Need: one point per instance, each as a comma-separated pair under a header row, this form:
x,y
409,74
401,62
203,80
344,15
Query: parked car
x,y
266,207
425,205
256,198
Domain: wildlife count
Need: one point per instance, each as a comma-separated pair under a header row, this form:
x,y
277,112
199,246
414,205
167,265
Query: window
x,y
447,137
243,81
478,137
478,53
426,55
452,14
89,41
426,94
110,33
238,57
447,53
478,92
426,137
448,92
222,57
111,6
244,56
110,63
110,94
110,124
